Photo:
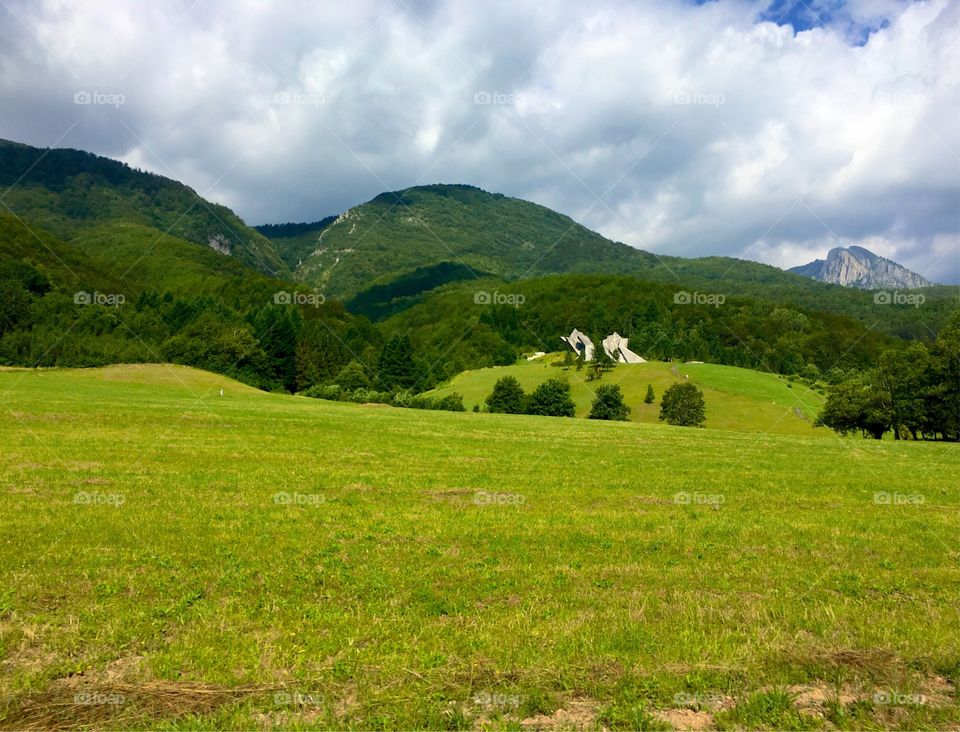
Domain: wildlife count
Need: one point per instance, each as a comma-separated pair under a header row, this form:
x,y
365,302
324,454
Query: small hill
x,y
68,191
737,399
861,268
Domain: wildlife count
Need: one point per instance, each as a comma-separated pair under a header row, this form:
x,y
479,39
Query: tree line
x,y
913,393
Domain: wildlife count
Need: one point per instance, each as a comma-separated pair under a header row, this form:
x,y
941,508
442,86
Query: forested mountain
x,y
67,192
400,231
385,255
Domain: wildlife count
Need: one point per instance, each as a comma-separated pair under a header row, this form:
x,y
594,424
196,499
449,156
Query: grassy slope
x,y
395,598
737,399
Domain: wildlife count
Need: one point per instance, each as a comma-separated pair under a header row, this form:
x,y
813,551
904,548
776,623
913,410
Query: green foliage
x,y
354,376
452,333
608,404
402,399
507,397
551,399
683,405
601,359
649,397
398,367
913,392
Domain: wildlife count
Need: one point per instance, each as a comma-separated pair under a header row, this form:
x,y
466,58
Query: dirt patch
x,y
577,714
685,719
812,699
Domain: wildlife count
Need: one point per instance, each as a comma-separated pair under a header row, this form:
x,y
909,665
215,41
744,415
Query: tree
x,y
397,368
608,404
854,405
902,380
14,305
845,409
507,397
648,399
353,377
683,405
277,330
321,354
601,359
551,399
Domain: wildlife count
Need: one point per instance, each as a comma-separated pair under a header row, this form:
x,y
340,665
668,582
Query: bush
x,y
648,399
608,404
507,397
683,405
552,399
324,391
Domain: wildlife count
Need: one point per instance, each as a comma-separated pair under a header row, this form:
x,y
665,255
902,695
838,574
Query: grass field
x,y
736,399
173,558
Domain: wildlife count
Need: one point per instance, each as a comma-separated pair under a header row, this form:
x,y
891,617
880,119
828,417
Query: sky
x,y
771,131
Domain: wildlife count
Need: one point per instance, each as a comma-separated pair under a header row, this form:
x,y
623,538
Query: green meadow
x,y
736,399
172,558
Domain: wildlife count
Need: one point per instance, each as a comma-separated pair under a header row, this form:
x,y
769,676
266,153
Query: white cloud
x,y
703,130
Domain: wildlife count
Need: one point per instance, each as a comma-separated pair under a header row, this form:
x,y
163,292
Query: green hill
x,y
365,251
68,191
458,326
175,559
401,230
737,399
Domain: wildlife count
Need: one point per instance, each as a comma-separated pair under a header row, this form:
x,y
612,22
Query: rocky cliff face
x,y
859,267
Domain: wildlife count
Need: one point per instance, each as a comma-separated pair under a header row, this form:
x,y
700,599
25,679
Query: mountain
x,y
399,232
70,192
861,268
388,254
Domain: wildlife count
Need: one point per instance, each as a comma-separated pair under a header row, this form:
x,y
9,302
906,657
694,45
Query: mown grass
x,y
736,398
144,555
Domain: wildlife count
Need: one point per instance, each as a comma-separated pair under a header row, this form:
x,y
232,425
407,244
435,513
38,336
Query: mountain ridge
x,y
858,267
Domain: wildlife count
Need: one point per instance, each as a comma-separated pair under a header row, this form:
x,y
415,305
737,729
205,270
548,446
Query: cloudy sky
x,y
739,127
